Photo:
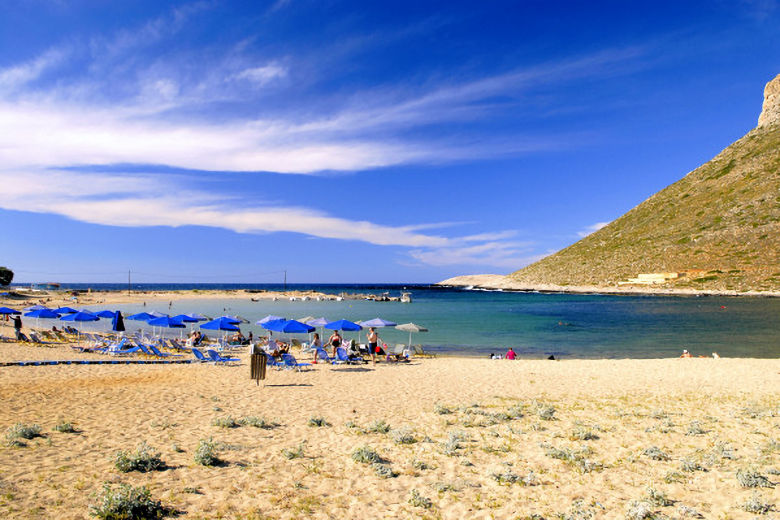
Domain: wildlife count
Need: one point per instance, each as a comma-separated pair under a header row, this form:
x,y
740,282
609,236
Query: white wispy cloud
x,y
263,75
17,76
591,229
502,254
126,110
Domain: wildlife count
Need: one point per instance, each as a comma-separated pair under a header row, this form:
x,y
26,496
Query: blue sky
x,y
353,141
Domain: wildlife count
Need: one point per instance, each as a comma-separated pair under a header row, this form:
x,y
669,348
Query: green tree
x,y
6,275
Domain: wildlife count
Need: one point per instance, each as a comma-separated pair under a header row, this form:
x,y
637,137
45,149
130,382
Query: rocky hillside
x,y
721,223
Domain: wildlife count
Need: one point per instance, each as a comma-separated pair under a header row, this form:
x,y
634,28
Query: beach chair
x,y
157,352
215,357
35,339
199,355
144,349
49,335
273,362
291,363
420,351
322,355
62,337
117,349
343,357
175,345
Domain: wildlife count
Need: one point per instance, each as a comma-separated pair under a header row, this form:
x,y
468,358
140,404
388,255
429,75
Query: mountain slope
x,y
721,222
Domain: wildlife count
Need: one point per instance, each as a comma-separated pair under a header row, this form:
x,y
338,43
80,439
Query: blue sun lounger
x,y
199,355
219,359
291,363
322,355
157,352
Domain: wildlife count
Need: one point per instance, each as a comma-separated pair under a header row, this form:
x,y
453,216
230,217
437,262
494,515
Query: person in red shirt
x,y
510,354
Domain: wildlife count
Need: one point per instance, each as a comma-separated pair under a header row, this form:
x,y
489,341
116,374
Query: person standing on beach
x,y
335,341
18,327
373,343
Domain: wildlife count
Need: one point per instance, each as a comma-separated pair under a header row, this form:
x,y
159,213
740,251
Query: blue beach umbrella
x,y
118,323
106,314
166,322
42,313
156,314
198,317
35,308
272,325
190,318
65,310
185,318
232,319
8,310
378,322
288,326
141,316
345,325
220,324
80,316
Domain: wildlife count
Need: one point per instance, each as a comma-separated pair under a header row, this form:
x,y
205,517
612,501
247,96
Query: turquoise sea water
x,y
536,325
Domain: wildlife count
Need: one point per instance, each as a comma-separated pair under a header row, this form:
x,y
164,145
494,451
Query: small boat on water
x,y
406,297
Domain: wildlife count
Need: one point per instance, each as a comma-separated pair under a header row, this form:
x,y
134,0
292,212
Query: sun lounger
x,y
157,352
291,363
273,362
322,355
199,355
34,338
219,359
342,356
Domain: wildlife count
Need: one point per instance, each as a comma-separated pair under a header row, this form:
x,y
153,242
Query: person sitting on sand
x,y
510,354
686,354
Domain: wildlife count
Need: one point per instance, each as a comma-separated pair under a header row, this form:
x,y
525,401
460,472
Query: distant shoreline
x,y
495,282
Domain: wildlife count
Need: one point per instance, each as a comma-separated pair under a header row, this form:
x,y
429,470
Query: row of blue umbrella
x,y
223,323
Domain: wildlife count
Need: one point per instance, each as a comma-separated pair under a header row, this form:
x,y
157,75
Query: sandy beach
x,y
57,298
460,438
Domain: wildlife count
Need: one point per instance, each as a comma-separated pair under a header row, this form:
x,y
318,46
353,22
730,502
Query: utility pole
x,y
285,280
129,286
